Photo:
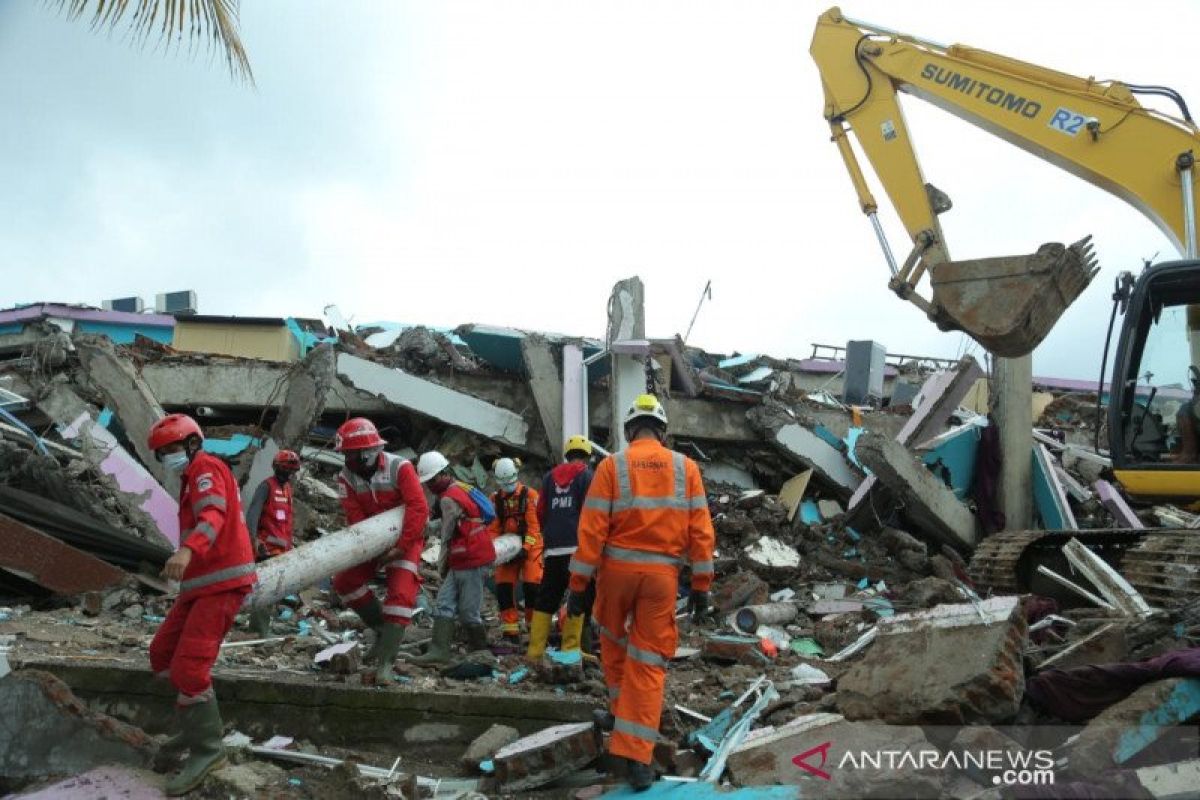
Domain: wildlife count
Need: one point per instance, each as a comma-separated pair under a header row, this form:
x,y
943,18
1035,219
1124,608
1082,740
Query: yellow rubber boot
x,y
572,633
539,632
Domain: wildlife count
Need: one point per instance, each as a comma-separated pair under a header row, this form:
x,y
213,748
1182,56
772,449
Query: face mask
x,y
175,462
508,488
282,477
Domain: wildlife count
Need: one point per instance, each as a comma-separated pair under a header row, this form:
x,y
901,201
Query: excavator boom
x,y
1097,130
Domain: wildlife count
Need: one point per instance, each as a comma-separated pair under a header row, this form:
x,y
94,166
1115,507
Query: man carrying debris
x,y
563,492
373,482
645,514
215,567
516,512
269,516
467,550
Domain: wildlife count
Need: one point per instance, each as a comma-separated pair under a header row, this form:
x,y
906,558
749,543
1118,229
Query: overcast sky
x,y
505,163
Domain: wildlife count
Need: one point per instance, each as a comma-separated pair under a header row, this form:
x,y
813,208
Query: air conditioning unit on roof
x,y
176,303
133,305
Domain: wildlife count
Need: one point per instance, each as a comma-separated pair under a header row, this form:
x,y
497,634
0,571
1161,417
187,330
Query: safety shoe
x,y
372,616
640,776
539,632
572,633
439,645
202,725
386,648
603,720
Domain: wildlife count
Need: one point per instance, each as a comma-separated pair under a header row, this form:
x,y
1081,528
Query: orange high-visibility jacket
x,y
646,511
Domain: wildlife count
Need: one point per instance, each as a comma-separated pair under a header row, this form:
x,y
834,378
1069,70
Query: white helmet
x,y
430,464
646,405
505,470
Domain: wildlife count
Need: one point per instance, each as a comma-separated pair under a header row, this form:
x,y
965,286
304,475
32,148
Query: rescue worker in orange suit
x,y
564,490
373,482
466,552
215,567
516,512
269,516
646,515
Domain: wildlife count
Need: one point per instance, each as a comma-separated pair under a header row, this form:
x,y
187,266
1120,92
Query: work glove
x,y
521,555
575,604
698,605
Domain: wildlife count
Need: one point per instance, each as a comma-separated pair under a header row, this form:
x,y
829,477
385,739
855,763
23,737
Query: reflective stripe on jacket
x,y
394,484
646,510
212,527
275,520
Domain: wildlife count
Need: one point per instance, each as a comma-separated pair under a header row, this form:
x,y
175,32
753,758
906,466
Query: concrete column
x,y
626,321
574,392
547,389
1012,408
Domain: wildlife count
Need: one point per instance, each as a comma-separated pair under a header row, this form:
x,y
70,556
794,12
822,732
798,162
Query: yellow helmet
x,y
646,405
580,443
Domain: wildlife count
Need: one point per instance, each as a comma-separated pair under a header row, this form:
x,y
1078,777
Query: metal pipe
x,y
1189,211
883,243
749,618
314,561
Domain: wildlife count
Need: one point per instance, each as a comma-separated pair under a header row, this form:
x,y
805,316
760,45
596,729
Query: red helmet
x,y
173,428
286,460
357,434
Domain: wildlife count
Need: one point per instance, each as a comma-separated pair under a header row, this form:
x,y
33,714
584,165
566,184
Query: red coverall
x,y
394,484
512,518
645,515
270,515
216,581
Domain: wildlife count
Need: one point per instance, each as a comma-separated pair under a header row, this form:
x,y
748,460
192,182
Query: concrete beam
x,y
929,503
32,555
415,394
546,387
142,498
1013,415
627,380
545,756
125,393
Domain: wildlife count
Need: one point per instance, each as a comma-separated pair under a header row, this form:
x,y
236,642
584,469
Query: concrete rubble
x,y
862,599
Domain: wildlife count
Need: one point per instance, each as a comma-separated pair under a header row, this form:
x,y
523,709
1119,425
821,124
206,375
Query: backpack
x,y
487,511
522,505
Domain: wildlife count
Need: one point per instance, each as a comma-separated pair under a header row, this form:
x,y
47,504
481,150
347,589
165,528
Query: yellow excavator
x,y
1098,131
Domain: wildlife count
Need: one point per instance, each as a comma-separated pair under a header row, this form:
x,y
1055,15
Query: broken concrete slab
x,y
435,401
791,494
929,503
811,752
105,782
1107,644
141,497
1123,730
487,744
772,554
807,448
1111,499
1114,588
1171,781
968,666
542,375
1049,493
50,731
51,564
307,391
124,391
541,758
734,650
742,588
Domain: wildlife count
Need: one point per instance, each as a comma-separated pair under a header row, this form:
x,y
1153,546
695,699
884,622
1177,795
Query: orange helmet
x,y
173,428
286,460
357,434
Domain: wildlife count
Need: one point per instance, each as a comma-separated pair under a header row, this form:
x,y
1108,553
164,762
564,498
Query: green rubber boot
x,y
260,622
477,638
439,647
204,730
386,648
372,616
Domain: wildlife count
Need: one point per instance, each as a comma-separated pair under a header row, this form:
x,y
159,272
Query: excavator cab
x,y
1154,403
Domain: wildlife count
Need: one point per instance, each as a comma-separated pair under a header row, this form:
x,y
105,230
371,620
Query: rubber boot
x,y
386,648
439,646
572,633
639,775
477,638
372,616
603,720
260,622
539,632
203,727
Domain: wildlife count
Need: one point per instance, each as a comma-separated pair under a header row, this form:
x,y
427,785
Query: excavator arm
x,y
1097,130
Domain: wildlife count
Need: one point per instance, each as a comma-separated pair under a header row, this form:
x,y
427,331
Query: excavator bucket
x,y
1009,304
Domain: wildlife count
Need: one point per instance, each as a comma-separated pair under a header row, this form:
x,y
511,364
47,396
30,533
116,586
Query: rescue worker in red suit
x,y
269,517
215,567
466,552
373,482
516,512
646,514
560,502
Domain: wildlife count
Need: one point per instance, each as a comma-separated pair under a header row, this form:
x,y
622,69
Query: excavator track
x,y
1164,565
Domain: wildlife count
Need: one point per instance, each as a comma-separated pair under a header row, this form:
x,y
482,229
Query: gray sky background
x,y
505,163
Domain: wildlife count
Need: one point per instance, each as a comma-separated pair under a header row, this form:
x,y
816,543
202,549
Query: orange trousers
x,y
635,612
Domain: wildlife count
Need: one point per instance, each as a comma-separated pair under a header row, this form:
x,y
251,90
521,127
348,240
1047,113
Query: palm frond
x,y
211,21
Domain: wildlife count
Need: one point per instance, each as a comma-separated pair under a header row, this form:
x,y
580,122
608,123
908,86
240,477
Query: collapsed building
x,y
869,597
